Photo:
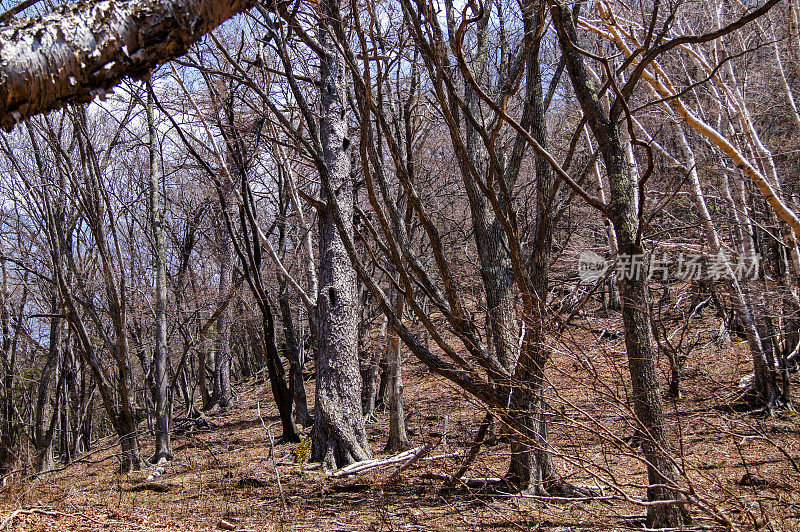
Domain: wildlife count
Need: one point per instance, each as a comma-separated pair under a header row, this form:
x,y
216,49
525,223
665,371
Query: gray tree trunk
x,y
44,424
222,394
339,437
161,389
398,439
7,437
531,467
293,351
296,362
202,376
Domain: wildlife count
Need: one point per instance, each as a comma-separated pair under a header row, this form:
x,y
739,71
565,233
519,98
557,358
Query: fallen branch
x,y
428,447
365,465
407,458
469,481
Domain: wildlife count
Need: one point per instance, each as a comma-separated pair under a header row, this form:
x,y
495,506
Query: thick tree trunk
x,y
531,467
161,390
131,458
339,437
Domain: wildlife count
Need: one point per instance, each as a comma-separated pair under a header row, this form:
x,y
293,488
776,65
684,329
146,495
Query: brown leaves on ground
x,y
736,462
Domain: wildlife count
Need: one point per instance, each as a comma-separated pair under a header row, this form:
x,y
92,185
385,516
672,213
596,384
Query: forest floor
x,y
741,466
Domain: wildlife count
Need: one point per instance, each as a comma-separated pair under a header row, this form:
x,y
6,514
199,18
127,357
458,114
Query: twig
x,y
466,480
10,518
272,454
441,456
473,451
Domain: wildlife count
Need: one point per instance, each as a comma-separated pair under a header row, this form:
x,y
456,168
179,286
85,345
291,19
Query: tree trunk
x,y
280,391
7,437
531,468
222,394
624,215
370,397
202,376
339,437
293,351
398,439
613,302
44,422
161,389
296,362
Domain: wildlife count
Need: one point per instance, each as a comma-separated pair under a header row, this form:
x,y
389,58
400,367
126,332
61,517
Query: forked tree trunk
x,y
339,437
531,467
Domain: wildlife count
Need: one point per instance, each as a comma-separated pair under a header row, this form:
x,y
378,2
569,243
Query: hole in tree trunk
x,y
332,296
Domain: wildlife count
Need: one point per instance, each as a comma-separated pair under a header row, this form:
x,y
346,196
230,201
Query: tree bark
x,y
44,424
623,212
7,405
531,468
296,362
222,394
398,439
338,437
82,50
161,389
293,351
